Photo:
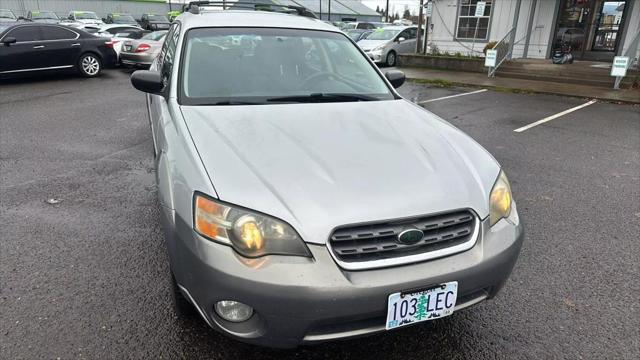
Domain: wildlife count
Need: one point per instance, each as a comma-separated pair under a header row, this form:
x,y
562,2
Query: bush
x,y
490,45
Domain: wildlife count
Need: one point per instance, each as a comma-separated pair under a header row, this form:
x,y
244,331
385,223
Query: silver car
x,y
142,52
302,199
384,45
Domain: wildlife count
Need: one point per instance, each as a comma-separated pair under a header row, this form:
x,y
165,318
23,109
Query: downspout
x,y
516,15
532,13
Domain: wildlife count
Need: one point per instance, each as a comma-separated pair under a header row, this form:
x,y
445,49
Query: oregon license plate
x,y
404,308
127,47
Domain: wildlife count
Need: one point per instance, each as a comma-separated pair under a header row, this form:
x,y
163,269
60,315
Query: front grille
x,y
379,241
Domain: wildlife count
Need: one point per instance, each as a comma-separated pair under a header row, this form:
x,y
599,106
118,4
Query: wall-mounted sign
x,y
428,8
490,58
480,8
619,66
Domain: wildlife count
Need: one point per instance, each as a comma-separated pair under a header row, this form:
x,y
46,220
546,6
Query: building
x,y
334,10
597,30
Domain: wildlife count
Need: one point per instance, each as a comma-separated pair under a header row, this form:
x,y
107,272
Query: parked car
x,y
7,15
119,33
81,19
43,16
142,52
120,19
383,45
154,22
302,198
360,25
26,47
358,34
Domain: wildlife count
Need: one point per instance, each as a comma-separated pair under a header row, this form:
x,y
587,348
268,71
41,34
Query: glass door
x,y
573,24
608,22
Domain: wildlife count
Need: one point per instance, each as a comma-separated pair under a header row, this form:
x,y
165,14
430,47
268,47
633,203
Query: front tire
x,y
89,65
391,58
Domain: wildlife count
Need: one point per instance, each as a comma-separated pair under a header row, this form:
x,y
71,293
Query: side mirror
x,y
401,39
147,81
395,77
9,40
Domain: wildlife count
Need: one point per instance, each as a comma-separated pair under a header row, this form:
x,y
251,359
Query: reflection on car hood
x,y
318,166
367,44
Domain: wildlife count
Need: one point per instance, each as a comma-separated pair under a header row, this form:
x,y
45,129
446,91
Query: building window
x,y
470,26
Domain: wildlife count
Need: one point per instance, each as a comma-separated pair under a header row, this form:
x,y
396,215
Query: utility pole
x,y
320,9
418,36
329,11
426,29
386,12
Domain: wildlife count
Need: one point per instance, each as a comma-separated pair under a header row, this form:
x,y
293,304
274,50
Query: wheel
x,y
181,305
391,58
89,65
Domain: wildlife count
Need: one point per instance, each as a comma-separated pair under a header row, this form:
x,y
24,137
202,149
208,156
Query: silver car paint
x,y
282,287
304,162
400,47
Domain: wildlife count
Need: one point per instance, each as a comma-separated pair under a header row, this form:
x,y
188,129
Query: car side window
x,y
26,33
404,34
168,52
58,33
413,32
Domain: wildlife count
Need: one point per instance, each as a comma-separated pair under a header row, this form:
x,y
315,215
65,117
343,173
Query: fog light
x,y
233,311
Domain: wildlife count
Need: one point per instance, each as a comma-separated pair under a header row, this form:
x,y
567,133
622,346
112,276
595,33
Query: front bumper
x,y
375,56
301,300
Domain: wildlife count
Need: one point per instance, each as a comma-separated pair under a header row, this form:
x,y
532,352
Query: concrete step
x,y
605,82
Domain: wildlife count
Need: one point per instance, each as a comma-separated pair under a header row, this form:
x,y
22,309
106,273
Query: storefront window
x,y
471,26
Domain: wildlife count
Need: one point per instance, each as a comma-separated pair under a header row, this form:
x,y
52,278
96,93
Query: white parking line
x,y
549,118
452,96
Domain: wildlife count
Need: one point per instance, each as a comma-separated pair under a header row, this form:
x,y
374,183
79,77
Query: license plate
x,y
127,47
404,308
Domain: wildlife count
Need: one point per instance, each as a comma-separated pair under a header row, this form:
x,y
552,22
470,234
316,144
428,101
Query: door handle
x,y
38,47
75,44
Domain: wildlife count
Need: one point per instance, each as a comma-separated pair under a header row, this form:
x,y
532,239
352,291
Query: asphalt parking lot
x,y
87,276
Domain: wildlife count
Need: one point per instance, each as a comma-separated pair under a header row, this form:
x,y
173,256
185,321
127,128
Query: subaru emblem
x,y
410,236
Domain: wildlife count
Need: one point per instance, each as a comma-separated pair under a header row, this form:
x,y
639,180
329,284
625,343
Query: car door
x,y
61,46
26,53
406,45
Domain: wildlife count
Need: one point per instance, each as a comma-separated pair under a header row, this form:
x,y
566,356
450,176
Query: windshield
x,y
157,18
86,15
6,14
123,19
156,35
38,15
383,34
261,66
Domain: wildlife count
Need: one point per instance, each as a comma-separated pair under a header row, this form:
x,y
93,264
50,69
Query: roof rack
x,y
193,7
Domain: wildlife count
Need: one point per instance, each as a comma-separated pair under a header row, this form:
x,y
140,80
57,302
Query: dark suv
x,y
154,22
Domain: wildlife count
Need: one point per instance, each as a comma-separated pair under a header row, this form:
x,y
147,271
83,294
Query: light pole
x,y
418,37
329,11
386,12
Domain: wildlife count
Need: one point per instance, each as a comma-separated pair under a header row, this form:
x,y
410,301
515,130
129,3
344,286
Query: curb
x,y
516,90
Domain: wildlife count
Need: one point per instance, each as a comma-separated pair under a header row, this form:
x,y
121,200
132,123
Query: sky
x,y
397,5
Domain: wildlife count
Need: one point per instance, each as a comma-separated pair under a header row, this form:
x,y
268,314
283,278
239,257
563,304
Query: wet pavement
x,y
87,277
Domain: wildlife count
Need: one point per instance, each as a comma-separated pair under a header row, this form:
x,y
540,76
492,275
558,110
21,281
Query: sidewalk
x,y
520,85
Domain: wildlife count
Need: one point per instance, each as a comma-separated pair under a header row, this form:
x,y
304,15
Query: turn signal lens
x,y
500,199
209,219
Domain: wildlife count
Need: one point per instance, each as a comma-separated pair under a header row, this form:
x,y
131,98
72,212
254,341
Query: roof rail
x,y
193,7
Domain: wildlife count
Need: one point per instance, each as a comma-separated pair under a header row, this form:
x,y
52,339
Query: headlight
x,y
500,199
378,48
250,233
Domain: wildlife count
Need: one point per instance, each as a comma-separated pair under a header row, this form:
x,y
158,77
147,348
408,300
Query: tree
x,y
378,9
407,14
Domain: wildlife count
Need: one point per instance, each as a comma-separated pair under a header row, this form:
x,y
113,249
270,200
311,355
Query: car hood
x,y
318,166
367,45
90,22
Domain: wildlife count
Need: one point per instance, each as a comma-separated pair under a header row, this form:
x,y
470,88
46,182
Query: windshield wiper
x,y
234,102
323,97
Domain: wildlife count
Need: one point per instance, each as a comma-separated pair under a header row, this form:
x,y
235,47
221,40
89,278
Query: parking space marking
x,y
549,118
452,96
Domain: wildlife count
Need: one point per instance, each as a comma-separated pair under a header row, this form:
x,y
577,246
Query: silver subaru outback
x,y
303,200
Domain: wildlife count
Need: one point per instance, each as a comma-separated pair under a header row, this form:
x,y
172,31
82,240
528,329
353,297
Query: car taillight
x,y
110,44
143,47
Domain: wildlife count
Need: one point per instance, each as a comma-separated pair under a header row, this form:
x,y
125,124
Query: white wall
x,y
633,28
444,27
